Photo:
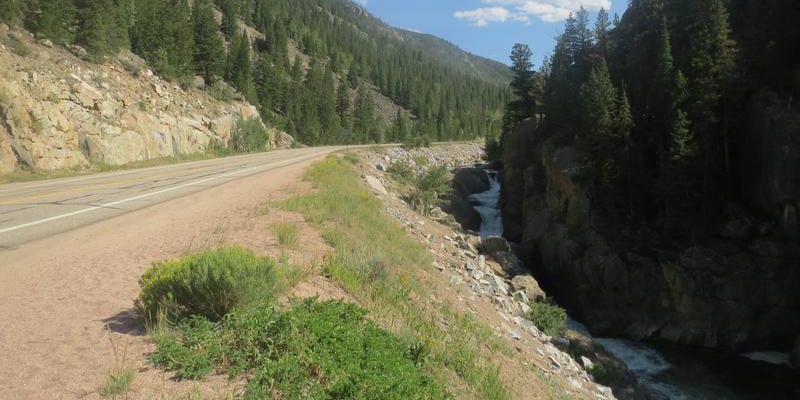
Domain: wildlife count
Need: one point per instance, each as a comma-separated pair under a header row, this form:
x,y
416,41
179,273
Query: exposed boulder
x,y
376,185
494,245
529,285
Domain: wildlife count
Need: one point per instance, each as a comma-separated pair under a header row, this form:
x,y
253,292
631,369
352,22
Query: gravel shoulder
x,y
66,300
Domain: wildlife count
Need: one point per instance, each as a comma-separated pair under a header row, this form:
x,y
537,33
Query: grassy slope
x,y
376,261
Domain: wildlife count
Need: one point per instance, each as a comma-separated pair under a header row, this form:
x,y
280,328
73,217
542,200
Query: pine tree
x,y
329,118
53,19
521,85
101,29
343,106
229,26
364,114
239,66
712,53
209,50
601,27
162,35
599,98
13,12
599,139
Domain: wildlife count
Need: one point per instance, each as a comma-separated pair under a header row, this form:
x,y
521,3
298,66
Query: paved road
x,y
34,210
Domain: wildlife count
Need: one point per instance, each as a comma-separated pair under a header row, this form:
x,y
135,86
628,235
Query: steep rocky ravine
x,y
58,111
734,288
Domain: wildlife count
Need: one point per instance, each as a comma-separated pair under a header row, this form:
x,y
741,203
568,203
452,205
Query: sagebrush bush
x,y
248,135
208,284
548,317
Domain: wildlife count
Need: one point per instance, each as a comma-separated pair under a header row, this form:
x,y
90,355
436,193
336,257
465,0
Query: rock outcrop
x,y
466,182
58,111
731,289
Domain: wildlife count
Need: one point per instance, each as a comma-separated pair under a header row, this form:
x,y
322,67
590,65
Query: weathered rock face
x,y
734,289
771,152
57,111
467,181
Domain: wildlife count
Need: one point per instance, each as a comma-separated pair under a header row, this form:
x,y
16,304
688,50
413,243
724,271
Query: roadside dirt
x,y
66,301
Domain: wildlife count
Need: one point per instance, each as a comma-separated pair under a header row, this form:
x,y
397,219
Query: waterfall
x,y
487,204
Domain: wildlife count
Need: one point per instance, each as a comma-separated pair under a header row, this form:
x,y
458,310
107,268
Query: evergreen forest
x,y
315,68
661,103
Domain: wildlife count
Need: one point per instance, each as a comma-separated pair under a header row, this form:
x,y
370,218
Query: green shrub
x,y
16,46
118,382
605,373
428,188
416,142
421,160
221,91
402,172
248,135
548,317
314,350
352,158
132,67
209,284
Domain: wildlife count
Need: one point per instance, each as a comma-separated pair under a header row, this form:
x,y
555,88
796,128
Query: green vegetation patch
x,y
118,382
402,172
208,284
379,263
548,317
16,45
286,233
313,350
428,188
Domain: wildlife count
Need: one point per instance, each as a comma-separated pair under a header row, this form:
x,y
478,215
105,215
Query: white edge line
x,y
170,189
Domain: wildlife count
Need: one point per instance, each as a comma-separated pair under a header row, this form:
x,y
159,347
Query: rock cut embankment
x,y
58,111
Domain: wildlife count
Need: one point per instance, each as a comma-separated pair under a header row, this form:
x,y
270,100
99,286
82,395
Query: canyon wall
x,y
734,287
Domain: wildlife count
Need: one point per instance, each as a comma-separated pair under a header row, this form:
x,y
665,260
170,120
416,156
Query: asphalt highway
x,y
34,210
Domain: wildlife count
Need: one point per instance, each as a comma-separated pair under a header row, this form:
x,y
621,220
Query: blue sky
x,y
489,28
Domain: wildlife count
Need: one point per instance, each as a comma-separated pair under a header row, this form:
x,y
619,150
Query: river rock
x,y
528,285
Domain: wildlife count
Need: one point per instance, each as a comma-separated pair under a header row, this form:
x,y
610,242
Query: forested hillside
x,y
312,67
658,104
656,189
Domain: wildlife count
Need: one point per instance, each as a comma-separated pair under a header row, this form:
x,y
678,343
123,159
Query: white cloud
x,y
524,10
483,16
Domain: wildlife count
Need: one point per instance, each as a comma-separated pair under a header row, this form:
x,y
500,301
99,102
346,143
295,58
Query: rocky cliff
x,y
58,111
733,287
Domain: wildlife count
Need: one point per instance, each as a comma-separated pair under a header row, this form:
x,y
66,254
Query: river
x,y
676,372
